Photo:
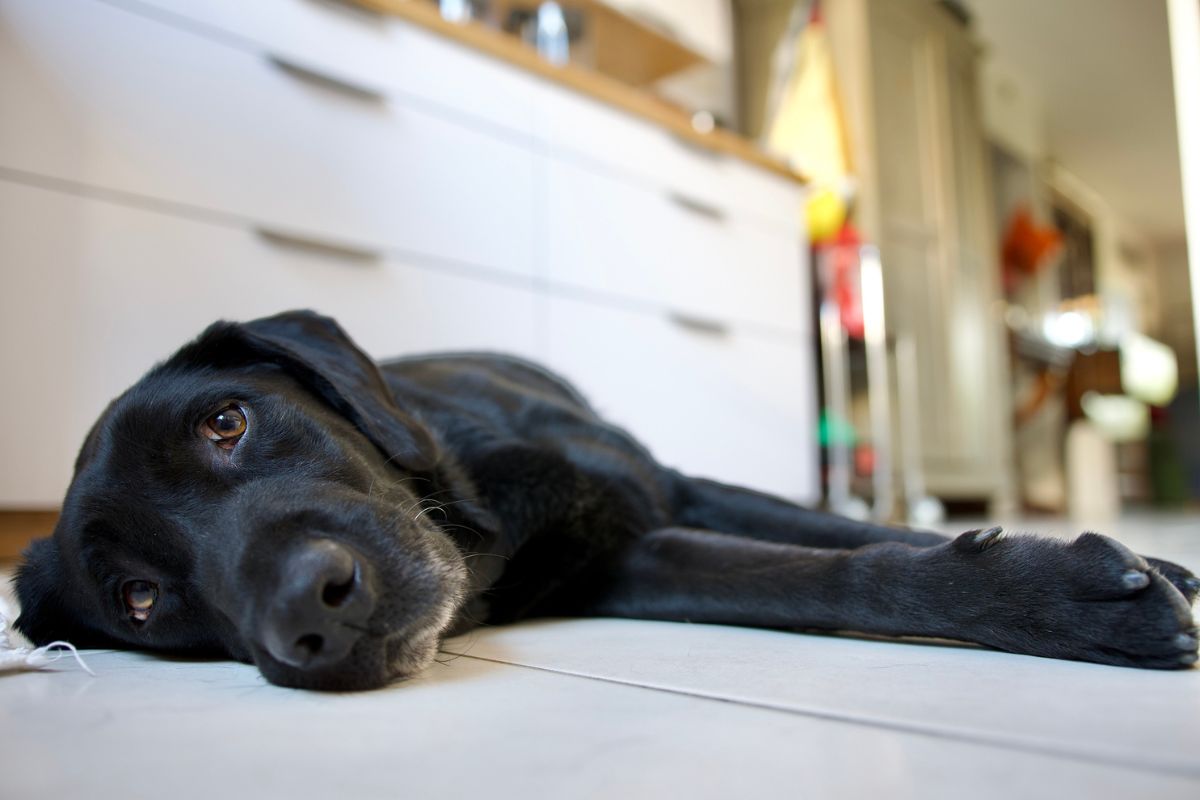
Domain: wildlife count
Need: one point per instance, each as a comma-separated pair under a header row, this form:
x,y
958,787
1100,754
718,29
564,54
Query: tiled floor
x,y
607,708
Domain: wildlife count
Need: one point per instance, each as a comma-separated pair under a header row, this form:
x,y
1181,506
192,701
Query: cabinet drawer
x,y
735,408
376,50
585,129
405,60
670,250
109,98
98,292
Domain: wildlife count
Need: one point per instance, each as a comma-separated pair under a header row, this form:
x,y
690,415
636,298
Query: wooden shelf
x,y
585,81
19,528
613,43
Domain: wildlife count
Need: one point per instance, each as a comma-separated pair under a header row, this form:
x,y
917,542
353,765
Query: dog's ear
x,y
315,350
41,589
38,581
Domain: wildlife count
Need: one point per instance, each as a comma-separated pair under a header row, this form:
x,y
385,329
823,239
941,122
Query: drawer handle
x,y
298,241
704,325
326,81
698,207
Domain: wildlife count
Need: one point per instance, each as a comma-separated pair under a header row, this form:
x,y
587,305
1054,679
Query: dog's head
x,y
258,495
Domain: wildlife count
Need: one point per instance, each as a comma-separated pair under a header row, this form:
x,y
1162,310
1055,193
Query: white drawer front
x,y
588,129
373,49
401,58
735,408
93,93
128,286
670,250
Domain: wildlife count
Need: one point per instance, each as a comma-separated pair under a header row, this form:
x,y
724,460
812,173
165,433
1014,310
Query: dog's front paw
x,y
1180,577
1090,600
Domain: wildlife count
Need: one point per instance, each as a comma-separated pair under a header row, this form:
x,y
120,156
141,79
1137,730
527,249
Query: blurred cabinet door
x,y
99,292
93,94
926,205
975,352
344,39
669,250
711,402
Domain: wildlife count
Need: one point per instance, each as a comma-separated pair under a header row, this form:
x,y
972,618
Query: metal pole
x,y
920,508
833,346
878,379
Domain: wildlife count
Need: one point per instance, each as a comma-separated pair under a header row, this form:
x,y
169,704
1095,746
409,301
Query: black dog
x,y
270,494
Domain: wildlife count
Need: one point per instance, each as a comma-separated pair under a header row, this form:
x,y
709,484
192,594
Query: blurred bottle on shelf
x,y
552,40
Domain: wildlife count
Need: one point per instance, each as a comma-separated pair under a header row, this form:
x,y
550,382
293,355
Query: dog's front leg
x,y
1090,600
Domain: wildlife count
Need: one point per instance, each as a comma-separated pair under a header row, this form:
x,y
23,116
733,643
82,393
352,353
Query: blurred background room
x,y
929,262
910,259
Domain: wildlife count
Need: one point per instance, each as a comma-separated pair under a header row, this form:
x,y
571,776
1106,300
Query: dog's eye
x,y
139,598
226,426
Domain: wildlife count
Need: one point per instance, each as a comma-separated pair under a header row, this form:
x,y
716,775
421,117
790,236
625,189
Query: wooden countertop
x,y
599,87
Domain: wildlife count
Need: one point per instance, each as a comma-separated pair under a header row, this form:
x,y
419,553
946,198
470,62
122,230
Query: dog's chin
x,y
410,655
377,659
372,664
405,630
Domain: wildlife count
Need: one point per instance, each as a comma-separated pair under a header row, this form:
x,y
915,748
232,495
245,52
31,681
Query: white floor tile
x,y
1130,716
148,727
560,708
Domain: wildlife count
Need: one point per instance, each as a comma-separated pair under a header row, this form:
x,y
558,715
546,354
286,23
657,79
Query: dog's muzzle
x,y
320,604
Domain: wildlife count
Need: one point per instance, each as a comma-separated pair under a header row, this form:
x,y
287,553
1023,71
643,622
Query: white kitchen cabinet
x,y
669,252
97,292
583,129
104,97
164,164
715,403
365,48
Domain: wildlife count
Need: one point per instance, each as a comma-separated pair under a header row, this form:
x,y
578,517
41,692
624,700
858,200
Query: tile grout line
x,y
1037,747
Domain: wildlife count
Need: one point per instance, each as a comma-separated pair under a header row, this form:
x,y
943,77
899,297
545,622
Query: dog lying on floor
x,y
268,493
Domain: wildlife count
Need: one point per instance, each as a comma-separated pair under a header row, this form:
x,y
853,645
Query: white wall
x,y
1013,111
1171,315
1014,115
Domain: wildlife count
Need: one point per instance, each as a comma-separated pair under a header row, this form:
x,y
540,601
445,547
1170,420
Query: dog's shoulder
x,y
487,372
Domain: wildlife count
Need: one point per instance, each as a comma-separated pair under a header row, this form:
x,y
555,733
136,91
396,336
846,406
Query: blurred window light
x,y
456,10
552,40
1149,370
1117,417
1069,329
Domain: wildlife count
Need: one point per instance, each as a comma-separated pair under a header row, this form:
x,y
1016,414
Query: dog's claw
x,y
1134,579
985,539
1185,641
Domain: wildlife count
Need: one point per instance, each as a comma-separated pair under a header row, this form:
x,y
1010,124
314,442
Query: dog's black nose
x,y
319,607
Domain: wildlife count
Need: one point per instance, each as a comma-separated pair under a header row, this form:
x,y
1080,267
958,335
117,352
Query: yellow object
x,y
826,211
807,131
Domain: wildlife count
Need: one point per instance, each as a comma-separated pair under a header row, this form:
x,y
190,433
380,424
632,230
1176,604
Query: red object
x,y
841,279
814,13
864,459
1027,247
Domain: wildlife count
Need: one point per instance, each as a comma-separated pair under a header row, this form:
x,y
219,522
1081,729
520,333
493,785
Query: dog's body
x,y
270,494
